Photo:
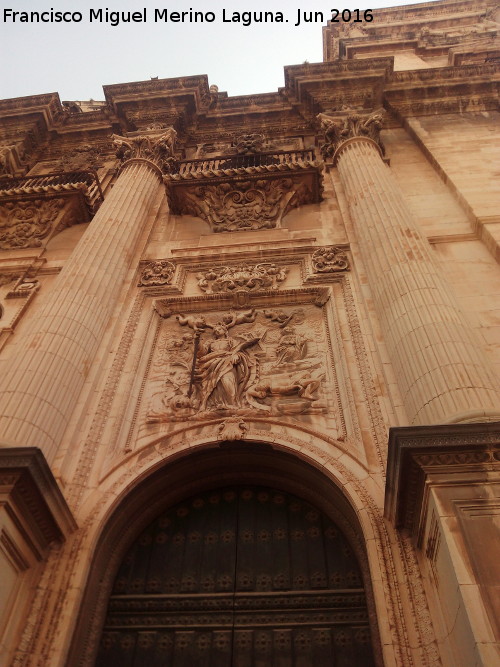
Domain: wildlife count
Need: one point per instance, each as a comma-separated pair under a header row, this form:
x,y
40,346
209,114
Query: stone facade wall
x,y
214,295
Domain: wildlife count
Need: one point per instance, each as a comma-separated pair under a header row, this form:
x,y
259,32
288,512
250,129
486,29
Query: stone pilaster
x,y
43,380
437,357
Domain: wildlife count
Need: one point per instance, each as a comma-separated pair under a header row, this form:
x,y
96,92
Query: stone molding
x,y
416,452
30,493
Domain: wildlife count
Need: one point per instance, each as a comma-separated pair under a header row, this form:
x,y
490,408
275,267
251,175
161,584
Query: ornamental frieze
x,y
242,278
338,129
238,364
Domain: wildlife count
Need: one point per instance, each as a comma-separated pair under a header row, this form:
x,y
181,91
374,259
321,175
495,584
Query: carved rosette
x,y
244,205
340,128
329,259
157,273
154,146
24,224
242,278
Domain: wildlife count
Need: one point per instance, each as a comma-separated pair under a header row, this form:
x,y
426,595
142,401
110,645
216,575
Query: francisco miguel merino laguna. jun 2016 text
x,y
246,18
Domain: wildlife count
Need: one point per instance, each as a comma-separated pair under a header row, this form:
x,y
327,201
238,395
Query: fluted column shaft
x,y
438,358
43,379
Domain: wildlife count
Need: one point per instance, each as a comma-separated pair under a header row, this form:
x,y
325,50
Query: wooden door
x,y
238,577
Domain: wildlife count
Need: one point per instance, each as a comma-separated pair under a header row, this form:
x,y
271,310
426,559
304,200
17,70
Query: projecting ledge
x,y
465,455
33,511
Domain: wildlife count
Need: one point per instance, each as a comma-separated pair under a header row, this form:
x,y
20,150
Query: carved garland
x,y
242,278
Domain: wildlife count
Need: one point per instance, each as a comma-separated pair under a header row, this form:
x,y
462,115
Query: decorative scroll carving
x,y
329,259
261,369
157,273
157,147
242,278
249,143
338,129
245,205
23,224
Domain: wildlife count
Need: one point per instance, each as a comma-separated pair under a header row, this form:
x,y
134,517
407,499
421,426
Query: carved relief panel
x,y
251,363
266,361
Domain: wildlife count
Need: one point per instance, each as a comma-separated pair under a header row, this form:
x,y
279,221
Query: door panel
x,y
238,577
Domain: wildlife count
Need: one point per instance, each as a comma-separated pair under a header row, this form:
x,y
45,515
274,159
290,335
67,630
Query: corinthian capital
x,y
155,147
339,128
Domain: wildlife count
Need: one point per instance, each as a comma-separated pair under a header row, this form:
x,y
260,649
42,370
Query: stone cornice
x,y
415,453
31,494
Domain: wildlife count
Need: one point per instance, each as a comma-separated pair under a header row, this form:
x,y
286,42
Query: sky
x,y
77,59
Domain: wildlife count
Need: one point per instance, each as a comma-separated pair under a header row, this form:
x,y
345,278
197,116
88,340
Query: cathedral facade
x,y
249,361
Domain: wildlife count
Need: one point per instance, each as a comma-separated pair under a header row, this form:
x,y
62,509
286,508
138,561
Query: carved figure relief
x,y
242,278
241,364
157,273
245,205
24,224
329,259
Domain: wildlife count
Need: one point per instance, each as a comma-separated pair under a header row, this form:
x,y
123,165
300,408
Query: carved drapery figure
x,y
223,370
291,347
263,368
338,129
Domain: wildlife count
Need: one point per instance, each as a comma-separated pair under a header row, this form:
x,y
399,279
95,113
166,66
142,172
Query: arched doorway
x,y
239,576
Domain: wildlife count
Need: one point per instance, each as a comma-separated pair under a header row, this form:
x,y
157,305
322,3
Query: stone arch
x,y
218,465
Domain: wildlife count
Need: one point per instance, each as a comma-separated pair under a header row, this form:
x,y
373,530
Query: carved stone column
x,y
43,379
437,357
